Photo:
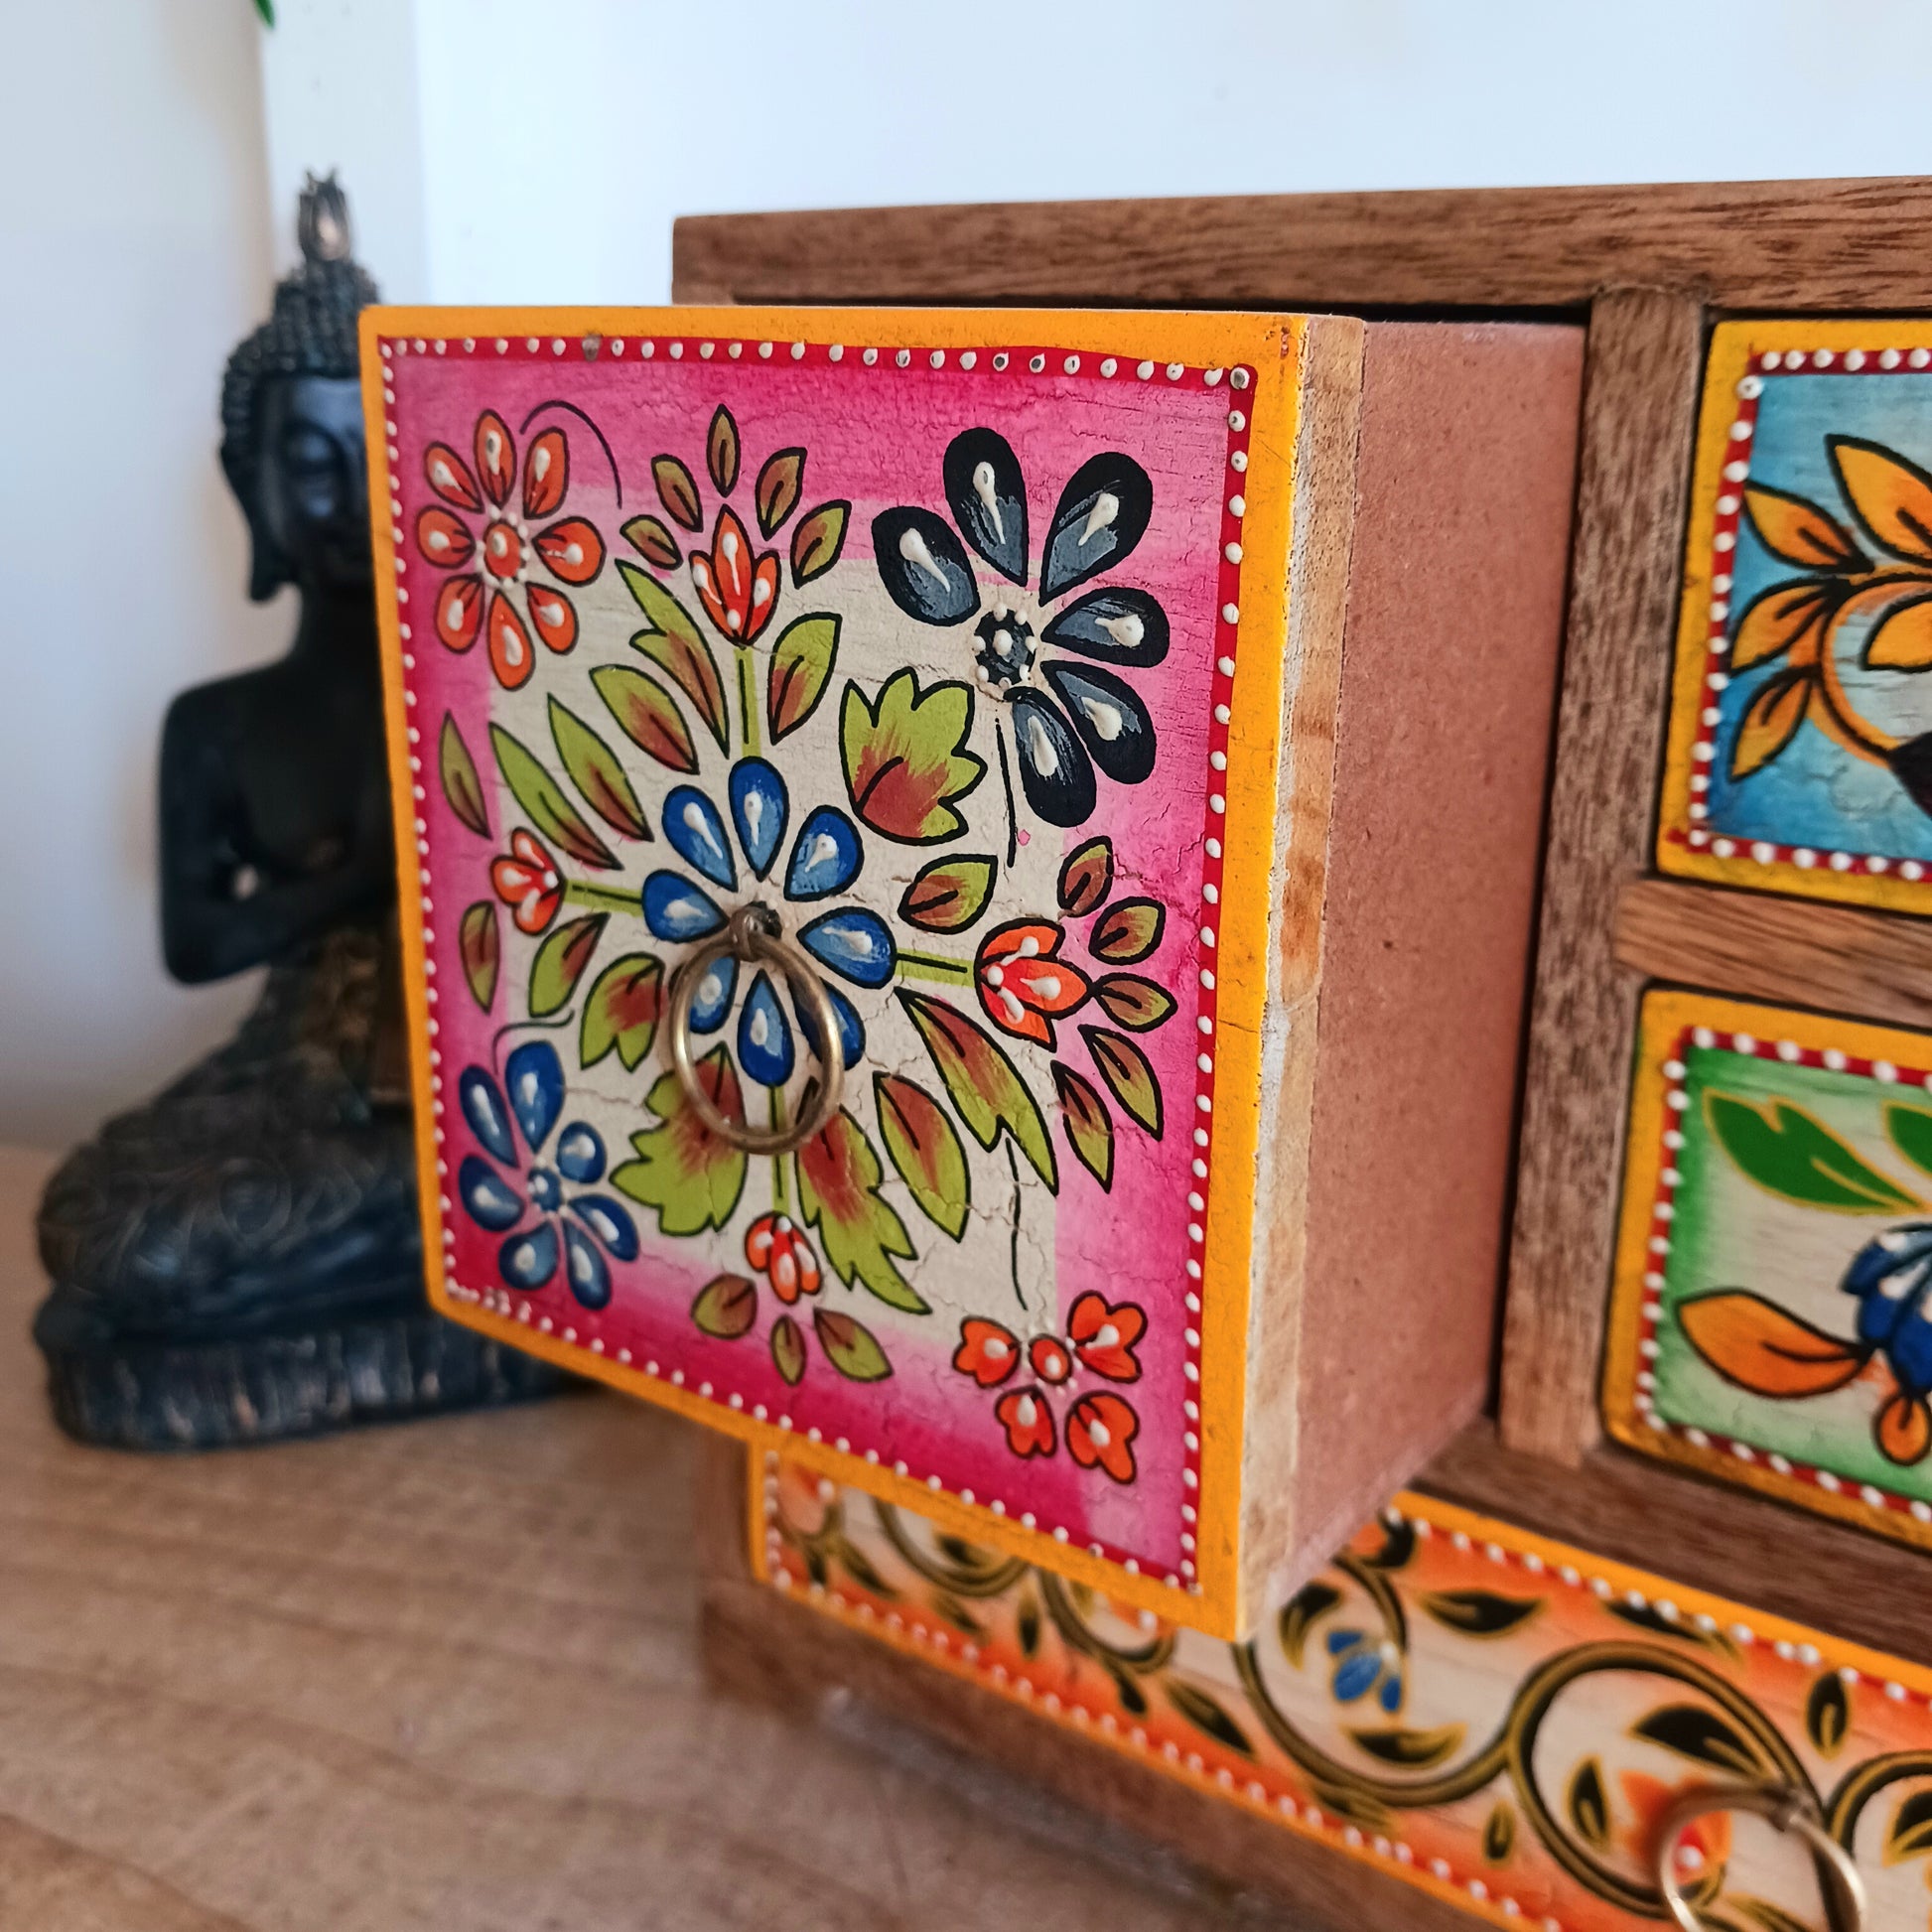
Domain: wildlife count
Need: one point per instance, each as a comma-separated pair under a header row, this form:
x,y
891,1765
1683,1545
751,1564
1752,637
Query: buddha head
x,y
292,442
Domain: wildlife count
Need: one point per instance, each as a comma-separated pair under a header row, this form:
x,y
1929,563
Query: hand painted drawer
x,y
968,878
1770,1322
1504,1721
1800,756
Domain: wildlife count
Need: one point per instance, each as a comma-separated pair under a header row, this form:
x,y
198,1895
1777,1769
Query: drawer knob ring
x,y
753,935
1838,1876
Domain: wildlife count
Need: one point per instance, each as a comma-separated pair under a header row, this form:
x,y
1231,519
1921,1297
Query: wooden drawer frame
x,y
1649,267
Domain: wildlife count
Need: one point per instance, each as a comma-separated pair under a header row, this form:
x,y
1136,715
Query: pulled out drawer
x,y
968,885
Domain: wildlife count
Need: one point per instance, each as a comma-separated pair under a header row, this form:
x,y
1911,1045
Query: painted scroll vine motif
x,y
681,639
1478,1712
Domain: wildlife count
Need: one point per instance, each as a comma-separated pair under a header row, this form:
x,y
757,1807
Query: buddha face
x,y
313,478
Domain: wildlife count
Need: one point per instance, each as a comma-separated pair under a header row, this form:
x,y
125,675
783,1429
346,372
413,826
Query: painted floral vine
x,y
731,660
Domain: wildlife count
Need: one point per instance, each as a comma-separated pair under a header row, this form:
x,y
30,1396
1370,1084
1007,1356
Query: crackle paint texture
x,y
1492,1716
927,652
1769,1320
1800,751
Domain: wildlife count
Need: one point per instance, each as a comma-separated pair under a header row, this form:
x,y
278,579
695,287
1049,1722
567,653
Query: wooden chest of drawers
x,y
1130,731
1744,618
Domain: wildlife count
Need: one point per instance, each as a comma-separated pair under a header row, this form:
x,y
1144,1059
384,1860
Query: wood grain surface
x,y
1832,956
1275,1499
1427,899
441,1676
1639,412
1829,244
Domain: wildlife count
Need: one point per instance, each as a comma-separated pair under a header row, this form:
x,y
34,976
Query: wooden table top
x,y
445,1674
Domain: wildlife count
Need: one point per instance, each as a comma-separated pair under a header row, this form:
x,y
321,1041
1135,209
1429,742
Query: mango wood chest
x,y
1123,737
1560,1680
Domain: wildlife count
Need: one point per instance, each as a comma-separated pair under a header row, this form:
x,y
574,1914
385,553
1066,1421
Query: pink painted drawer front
x,y
1495,1718
931,654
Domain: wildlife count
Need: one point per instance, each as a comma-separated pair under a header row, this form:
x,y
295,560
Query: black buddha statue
x,y
239,1259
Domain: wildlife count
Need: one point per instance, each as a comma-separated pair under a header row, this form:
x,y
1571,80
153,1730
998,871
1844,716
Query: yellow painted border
x,y
1617,1581
1664,1016
1270,346
1733,345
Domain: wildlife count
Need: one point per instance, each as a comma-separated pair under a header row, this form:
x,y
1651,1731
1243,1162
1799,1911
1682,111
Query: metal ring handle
x,y
1838,1876
752,934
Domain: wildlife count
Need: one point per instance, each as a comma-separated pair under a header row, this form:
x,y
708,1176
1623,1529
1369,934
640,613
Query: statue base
x,y
239,1260
272,1387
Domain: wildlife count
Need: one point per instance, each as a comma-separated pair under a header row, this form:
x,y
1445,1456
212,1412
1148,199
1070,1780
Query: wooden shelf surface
x,y
439,1676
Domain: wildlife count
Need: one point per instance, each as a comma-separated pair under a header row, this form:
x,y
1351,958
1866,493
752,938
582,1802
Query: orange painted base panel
x,y
1496,1718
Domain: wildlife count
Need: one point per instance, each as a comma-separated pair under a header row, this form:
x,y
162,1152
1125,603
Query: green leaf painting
x,y
560,962
1499,1832
850,1347
676,492
551,813
904,758
837,1194
653,542
1911,1131
1128,930
1125,1070
780,483
1132,1002
801,662
461,785
722,450
1088,877
690,1175
1089,1127
985,1087
647,714
1787,1151
923,1147
673,641
948,894
817,541
595,771
479,941
788,1349
621,1011
726,1307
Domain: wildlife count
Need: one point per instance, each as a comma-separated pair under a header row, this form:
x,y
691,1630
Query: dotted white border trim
x,y
1657,1256
1727,521
1032,361
1283,1807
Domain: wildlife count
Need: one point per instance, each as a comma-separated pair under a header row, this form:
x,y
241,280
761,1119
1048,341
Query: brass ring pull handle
x,y
752,934
1838,1876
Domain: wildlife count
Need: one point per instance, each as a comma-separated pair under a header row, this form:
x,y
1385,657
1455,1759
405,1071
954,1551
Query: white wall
x,y
133,251
526,152
558,141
